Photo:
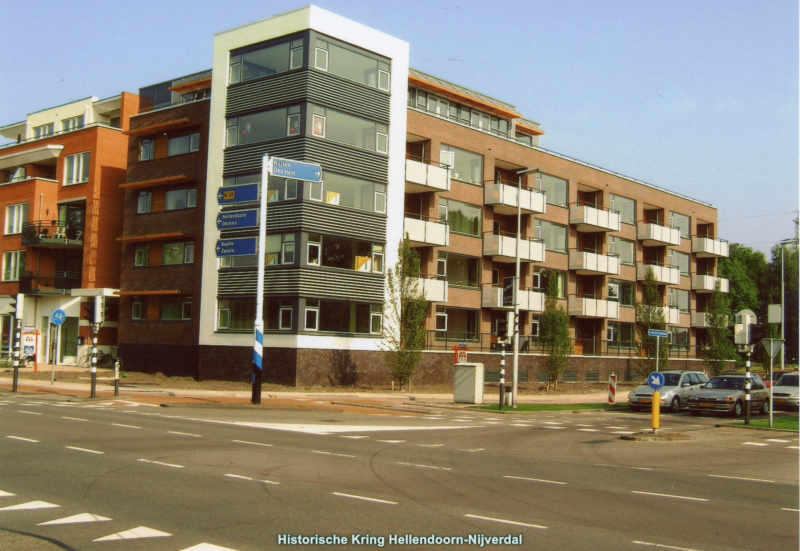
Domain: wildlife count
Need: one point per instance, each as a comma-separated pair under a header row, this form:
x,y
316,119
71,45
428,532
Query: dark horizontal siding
x,y
307,282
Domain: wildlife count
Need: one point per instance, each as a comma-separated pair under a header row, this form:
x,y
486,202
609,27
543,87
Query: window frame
x,y
148,206
144,248
311,309
317,51
147,149
136,310
16,217
81,168
17,268
183,253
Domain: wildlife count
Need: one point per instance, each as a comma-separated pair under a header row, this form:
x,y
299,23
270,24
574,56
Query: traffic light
x,y
757,332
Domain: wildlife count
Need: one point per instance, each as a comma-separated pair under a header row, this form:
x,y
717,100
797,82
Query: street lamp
x,y
520,174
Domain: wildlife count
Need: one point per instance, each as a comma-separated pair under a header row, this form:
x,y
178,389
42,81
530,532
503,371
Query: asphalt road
x,y
179,478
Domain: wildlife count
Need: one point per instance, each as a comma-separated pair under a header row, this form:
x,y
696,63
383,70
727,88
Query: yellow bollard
x,y
656,411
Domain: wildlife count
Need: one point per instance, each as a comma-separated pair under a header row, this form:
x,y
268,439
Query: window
x,y
683,223
356,67
553,235
314,248
681,261
280,249
380,201
16,216
144,203
348,129
463,218
147,150
541,281
183,144
13,265
467,166
178,253
76,169
287,248
267,61
377,259
621,334
263,126
626,250
678,298
459,324
535,326
315,191
44,131
347,191
236,314
312,315
460,271
348,254
285,319
555,190
321,56
72,124
626,292
181,199
296,55
343,317
136,310
680,338
293,125
141,255
176,308
626,208
20,174
318,126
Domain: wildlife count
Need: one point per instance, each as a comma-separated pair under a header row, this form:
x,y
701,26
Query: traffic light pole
x,y
747,388
96,329
16,344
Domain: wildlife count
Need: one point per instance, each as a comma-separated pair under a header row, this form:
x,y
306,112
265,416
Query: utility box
x,y
468,383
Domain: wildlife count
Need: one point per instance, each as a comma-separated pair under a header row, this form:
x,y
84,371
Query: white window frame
x,y
73,123
447,159
372,317
286,196
388,80
16,216
80,161
375,262
382,195
318,246
292,66
321,192
440,316
446,213
535,327
284,251
12,257
324,119
613,292
147,146
385,136
188,251
317,59
283,309
314,309
136,310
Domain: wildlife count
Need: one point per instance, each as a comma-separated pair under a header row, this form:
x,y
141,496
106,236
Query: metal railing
x,y
60,132
47,230
426,161
35,282
593,206
513,235
416,216
594,251
166,105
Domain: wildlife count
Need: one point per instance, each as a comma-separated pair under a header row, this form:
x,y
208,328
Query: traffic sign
x,y
656,380
237,220
772,346
658,333
298,170
58,317
238,194
236,247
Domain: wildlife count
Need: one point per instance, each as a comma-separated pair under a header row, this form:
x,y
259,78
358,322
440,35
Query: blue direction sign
x,y
658,333
656,380
238,194
237,220
298,170
236,247
58,317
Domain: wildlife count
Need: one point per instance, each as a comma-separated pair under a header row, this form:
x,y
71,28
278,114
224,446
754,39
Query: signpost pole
x,y
16,345
95,329
747,387
502,376
258,346
771,384
658,349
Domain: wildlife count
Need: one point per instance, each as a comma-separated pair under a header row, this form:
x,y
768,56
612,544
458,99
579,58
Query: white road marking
x,y
184,433
423,466
84,450
503,521
669,495
134,534
160,463
535,480
370,499
430,445
742,478
754,444
207,547
253,443
326,429
616,426
30,505
605,465
472,451
28,412
355,437
641,468
624,432
526,425
582,425
553,423
790,510
6,494
587,430
331,453
662,546
74,418
555,428
23,439
240,477
392,441
778,440
126,426
793,447
76,519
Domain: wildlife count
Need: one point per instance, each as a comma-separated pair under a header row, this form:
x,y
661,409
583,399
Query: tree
x,y
719,348
404,315
554,335
650,315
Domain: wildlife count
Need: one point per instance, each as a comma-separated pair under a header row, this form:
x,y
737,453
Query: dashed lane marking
x,y
23,439
6,494
641,468
74,418
75,519
555,428
29,412
319,452
504,521
662,546
240,477
430,445
184,433
355,437
84,450
472,450
624,432
392,441
754,444
253,443
790,510
587,430
793,447
535,480
30,505
742,478
670,496
135,533
424,466
363,498
777,440
125,426
174,466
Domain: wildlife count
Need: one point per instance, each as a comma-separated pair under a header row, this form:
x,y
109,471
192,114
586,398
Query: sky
x,y
696,96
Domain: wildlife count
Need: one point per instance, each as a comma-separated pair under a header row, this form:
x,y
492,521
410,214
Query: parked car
x,y
786,392
674,393
776,374
725,393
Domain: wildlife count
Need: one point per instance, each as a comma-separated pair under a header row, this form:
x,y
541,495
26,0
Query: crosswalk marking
x,y
135,533
6,494
754,444
23,439
30,505
76,519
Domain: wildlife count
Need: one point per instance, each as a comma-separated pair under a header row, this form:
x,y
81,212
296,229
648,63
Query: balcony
x,y
707,284
423,231
588,307
52,234
593,219
590,263
434,287
672,316
699,319
426,177
51,283
664,274
492,296
502,247
503,197
707,247
653,235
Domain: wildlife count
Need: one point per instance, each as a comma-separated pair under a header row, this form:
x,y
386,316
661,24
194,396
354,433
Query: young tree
x,y
554,335
650,315
719,347
404,315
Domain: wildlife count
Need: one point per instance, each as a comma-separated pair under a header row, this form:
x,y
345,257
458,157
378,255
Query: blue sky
x,y
700,97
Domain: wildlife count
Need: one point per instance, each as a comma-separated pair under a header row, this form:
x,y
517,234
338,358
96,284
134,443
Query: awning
x,y
38,155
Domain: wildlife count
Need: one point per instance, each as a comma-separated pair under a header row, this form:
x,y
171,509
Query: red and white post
x,y
612,389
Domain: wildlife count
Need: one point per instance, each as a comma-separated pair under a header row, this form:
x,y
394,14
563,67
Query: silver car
x,y
786,392
725,393
674,394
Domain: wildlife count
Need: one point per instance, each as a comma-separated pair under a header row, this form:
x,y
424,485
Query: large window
x,y
460,271
622,291
626,208
457,324
467,166
178,253
682,222
183,144
555,189
266,61
678,298
178,199
626,250
621,334
347,129
681,261
347,191
13,265
76,169
16,216
463,218
337,252
680,338
73,123
355,66
236,314
147,150
541,281
263,126
44,131
343,317
176,308
553,235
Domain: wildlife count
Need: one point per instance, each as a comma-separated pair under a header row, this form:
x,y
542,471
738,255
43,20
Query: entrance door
x,y
68,342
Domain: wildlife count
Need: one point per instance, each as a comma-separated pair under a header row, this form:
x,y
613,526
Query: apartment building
x,y
61,211
162,235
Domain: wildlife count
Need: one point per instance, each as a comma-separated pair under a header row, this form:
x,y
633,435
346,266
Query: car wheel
x,y
695,413
765,408
737,409
675,406
635,408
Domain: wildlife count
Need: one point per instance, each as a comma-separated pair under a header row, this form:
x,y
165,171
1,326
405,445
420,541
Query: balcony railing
x,y
52,233
654,235
506,198
672,315
493,296
666,274
58,133
708,247
49,282
593,307
590,262
707,283
434,286
425,176
424,231
592,218
502,247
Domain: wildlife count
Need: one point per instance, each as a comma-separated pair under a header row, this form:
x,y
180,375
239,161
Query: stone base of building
x,y
173,360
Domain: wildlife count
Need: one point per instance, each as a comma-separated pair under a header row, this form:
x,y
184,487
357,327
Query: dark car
x,y
725,394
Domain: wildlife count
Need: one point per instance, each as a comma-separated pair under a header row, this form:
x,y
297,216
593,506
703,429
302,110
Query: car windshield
x,y
725,383
789,380
671,379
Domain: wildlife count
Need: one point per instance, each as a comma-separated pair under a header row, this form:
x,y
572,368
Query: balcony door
x,y
72,219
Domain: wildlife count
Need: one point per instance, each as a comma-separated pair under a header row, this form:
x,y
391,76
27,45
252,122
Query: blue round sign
x,y
58,317
655,380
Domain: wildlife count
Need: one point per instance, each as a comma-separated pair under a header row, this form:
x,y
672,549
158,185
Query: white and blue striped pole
x,y
258,346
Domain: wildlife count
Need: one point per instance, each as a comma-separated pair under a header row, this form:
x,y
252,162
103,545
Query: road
x,y
178,478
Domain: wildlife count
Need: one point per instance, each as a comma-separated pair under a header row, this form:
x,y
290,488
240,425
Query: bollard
x,y
656,411
612,389
116,377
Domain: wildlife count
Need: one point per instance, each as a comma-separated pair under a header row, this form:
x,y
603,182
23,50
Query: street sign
x,y
236,247
655,380
237,220
774,313
58,317
772,346
238,194
298,170
658,333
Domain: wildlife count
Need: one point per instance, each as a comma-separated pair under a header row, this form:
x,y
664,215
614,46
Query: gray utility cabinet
x,y
469,383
